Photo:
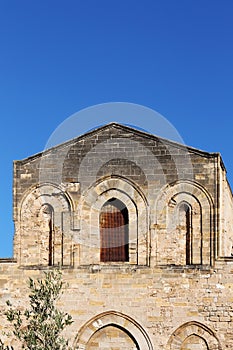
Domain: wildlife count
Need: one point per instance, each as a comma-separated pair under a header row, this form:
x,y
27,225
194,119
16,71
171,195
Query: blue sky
x,y
58,57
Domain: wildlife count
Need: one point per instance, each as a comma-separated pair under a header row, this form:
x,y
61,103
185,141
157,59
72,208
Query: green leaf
x,y
39,327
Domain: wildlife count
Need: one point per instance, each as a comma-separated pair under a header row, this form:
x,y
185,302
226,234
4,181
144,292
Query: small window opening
x,y
48,211
186,223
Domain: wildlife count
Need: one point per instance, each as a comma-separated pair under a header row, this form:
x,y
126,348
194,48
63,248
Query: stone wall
x,y
175,290
153,176
146,308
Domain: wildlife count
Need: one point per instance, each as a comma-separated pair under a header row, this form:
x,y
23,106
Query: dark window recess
x,y
188,237
187,218
48,211
51,241
114,235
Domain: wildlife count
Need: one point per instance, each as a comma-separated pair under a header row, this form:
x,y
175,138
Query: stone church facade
x,y
142,229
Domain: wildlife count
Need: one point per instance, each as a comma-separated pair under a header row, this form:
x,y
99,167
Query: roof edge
x,y
124,127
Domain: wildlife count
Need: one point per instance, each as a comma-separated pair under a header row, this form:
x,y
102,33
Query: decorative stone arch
x,y
117,319
32,230
193,328
90,206
192,252
165,218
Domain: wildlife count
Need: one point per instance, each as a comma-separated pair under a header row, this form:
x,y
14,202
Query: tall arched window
x,y
114,235
48,214
185,222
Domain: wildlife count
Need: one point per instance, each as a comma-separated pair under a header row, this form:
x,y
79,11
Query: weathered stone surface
x,y
175,289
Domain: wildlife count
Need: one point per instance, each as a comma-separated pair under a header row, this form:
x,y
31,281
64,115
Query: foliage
x,y
39,326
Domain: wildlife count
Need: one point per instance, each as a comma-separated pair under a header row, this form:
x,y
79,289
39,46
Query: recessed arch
x,y
33,228
115,319
128,184
193,341
183,186
189,329
45,189
165,218
89,211
111,337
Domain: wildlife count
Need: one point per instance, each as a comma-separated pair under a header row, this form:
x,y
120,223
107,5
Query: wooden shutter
x,y
114,232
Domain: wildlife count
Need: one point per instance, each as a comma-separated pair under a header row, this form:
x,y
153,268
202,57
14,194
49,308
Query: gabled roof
x,y
130,129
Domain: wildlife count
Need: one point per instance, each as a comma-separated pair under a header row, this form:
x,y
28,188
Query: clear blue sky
x,y
58,57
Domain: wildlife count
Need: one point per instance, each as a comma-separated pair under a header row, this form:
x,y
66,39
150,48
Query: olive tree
x,y
39,326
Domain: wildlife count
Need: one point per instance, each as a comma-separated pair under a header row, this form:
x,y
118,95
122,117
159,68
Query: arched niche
x,y
193,335
172,249
112,337
133,333
34,229
91,204
193,342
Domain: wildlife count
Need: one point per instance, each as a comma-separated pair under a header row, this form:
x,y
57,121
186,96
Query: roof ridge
x,y
129,128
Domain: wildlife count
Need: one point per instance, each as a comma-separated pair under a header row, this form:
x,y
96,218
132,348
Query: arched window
x,y
48,214
114,235
185,223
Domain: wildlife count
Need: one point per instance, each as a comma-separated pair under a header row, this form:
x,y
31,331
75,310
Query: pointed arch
x,y
193,341
186,332
115,319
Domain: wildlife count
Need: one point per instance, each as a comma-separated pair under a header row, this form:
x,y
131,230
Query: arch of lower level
x,y
191,336
110,328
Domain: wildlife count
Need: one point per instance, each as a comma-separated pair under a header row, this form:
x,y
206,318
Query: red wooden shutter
x,y
114,232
